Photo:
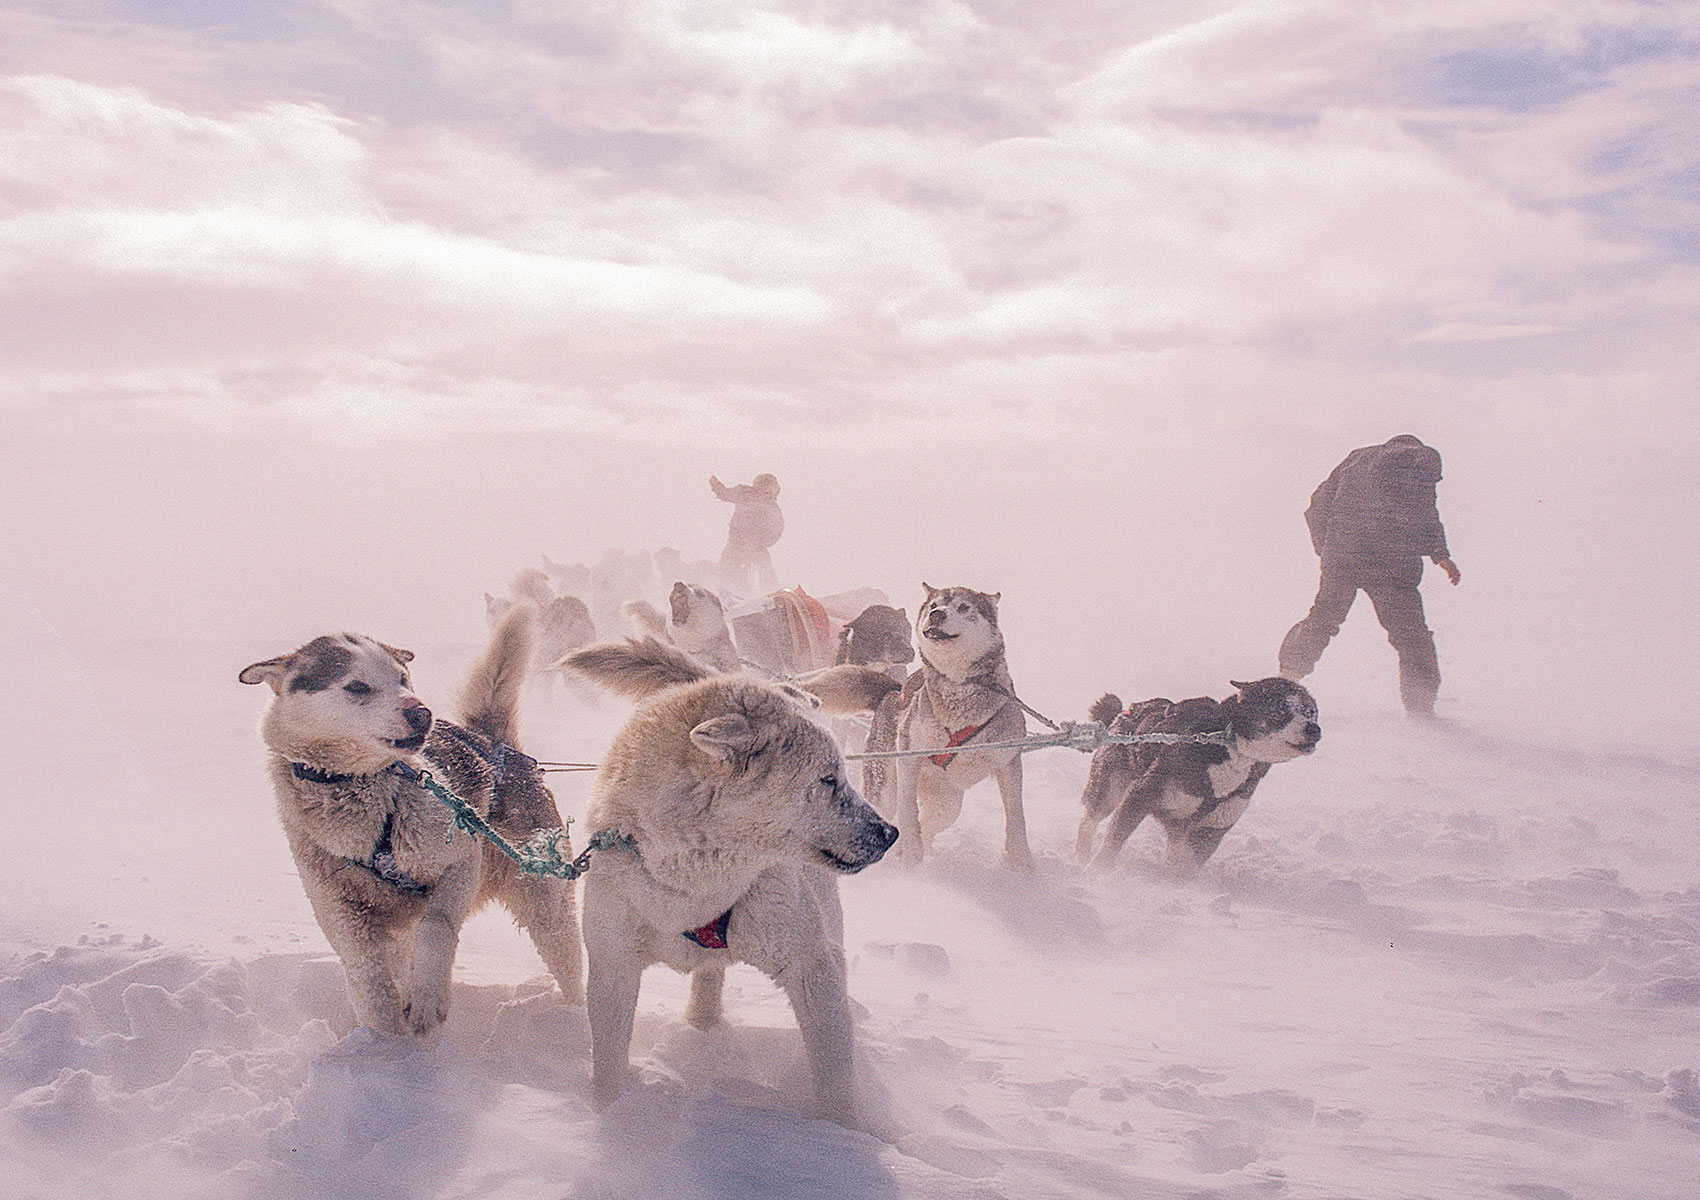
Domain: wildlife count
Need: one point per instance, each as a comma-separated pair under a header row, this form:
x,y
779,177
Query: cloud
x,y
823,210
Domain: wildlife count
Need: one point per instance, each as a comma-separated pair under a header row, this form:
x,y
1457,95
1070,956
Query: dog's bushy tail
x,y
644,619
489,699
1106,708
847,689
636,667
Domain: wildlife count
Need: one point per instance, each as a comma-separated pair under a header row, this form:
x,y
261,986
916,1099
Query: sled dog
x,y
562,621
879,638
1195,790
738,819
695,623
960,694
390,877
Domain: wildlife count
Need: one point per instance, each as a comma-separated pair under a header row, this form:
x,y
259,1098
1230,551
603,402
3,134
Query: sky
x,y
334,314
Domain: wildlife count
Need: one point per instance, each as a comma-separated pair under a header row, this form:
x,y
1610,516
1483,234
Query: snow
x,y
1452,960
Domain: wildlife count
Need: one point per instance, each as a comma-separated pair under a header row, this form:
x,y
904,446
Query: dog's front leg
x,y
908,815
821,1001
1016,851
706,1009
611,994
366,967
615,966
435,940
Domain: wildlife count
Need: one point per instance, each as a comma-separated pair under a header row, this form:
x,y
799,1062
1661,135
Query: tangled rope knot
x,y
540,854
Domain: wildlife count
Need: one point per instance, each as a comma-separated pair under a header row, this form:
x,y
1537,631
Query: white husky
x,y
735,818
695,623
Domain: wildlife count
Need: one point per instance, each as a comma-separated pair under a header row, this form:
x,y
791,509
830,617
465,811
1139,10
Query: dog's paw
x,y
603,1093
426,1008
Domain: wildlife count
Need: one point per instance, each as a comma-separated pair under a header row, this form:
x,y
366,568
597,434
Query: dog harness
x,y
384,866
382,863
956,739
713,935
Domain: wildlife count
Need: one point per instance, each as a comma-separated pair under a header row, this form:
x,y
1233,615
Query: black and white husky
x,y
1196,790
390,877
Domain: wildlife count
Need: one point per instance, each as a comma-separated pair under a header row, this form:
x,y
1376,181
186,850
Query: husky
x,y
878,637
390,877
737,819
695,623
670,564
960,694
1195,790
563,622
572,578
615,578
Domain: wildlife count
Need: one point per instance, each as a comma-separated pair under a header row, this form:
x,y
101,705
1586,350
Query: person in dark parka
x,y
1372,522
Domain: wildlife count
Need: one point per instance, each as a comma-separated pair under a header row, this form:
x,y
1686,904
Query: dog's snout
x,y
418,716
936,617
886,834
1313,732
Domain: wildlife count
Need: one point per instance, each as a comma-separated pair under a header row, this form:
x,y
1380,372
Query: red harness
x,y
956,739
713,935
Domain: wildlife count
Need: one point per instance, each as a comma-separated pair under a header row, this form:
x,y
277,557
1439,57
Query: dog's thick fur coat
x,y
1195,790
390,878
739,816
960,694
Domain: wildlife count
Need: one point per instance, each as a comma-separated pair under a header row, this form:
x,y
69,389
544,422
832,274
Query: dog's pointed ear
x,y
401,656
271,671
929,589
1237,685
725,737
903,614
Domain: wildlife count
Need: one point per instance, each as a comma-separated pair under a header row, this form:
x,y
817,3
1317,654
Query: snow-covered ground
x,y
1447,961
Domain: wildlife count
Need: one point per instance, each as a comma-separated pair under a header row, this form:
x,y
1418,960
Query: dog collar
x,y
713,935
956,739
314,775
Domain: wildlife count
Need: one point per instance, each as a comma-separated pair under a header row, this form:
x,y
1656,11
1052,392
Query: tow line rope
x,y
540,854
1085,736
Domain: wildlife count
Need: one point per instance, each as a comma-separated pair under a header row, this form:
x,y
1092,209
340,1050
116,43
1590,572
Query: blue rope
x,y
540,854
